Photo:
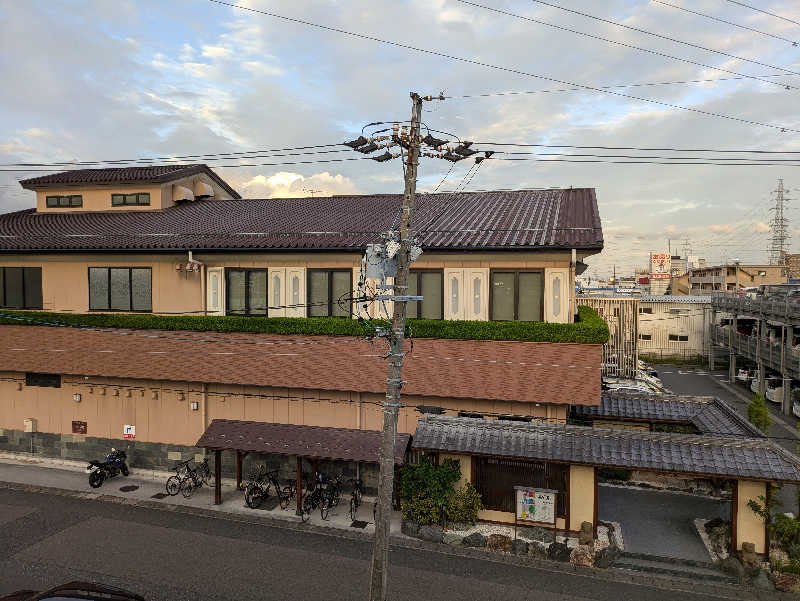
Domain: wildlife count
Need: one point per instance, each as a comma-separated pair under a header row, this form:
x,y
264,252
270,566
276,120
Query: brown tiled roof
x,y
313,442
469,369
751,458
155,174
522,219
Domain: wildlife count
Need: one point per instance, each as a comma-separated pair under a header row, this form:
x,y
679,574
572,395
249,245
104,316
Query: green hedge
x,y
589,329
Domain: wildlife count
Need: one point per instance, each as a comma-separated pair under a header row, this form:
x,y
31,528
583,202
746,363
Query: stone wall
x,y
158,456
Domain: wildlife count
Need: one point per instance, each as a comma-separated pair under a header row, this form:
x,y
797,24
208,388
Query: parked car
x,y
75,590
650,371
744,375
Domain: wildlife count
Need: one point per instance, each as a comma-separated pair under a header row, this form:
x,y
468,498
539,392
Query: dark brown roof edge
x,y
33,184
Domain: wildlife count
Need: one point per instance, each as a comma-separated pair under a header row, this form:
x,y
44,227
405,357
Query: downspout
x,y
573,301
204,411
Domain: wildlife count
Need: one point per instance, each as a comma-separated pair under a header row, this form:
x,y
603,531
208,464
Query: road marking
x,y
666,372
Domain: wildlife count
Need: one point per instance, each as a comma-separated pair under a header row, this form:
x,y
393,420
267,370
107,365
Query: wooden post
x,y
299,486
238,470
217,477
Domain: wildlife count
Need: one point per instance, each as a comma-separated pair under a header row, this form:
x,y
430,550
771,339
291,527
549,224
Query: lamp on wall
x,y
76,397
195,405
178,266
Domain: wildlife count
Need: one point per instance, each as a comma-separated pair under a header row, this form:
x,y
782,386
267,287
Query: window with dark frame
x,y
246,291
470,414
326,287
678,338
495,479
121,289
74,200
428,283
645,309
516,295
21,287
139,198
43,380
645,336
514,418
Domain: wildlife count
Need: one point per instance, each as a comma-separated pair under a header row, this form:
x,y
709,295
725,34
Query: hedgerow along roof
x,y
515,220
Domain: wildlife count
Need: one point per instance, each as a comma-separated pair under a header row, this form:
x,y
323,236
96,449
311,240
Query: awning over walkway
x,y
698,455
311,442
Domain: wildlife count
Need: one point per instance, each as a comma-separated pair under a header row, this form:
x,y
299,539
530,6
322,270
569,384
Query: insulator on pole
x,y
359,141
435,142
371,147
386,156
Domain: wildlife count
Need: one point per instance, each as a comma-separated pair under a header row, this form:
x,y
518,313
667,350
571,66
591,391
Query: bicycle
x,y
355,497
318,496
259,487
335,490
192,482
174,482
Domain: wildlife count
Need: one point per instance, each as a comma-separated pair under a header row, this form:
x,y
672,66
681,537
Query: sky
x,y
100,80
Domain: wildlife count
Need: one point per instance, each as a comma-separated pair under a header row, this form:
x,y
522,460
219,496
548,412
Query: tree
x,y
758,413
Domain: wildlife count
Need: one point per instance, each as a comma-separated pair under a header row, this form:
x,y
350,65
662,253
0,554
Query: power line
x,y
624,85
644,162
645,156
666,149
657,35
509,69
174,157
639,48
699,14
766,12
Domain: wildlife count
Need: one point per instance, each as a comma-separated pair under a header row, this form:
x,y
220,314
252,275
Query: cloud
x,y
286,184
762,228
722,228
217,52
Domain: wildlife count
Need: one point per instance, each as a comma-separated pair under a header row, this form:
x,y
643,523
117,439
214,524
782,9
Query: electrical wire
x,y
509,69
227,155
670,158
639,48
625,85
666,149
699,14
658,35
766,12
626,162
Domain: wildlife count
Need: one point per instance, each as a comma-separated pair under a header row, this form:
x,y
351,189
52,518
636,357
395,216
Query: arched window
x,y
215,291
295,290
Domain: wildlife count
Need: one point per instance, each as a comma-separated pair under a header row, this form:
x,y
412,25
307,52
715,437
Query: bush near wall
x,y
589,329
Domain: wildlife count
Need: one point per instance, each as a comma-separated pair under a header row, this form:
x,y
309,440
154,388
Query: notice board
x,y
535,504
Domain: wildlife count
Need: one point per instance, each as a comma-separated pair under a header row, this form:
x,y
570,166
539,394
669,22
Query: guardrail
x,y
781,310
748,347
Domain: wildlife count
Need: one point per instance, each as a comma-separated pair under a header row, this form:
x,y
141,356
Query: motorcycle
x,y
113,464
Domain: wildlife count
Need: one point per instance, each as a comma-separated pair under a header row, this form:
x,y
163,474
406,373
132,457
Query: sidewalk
x,y
149,486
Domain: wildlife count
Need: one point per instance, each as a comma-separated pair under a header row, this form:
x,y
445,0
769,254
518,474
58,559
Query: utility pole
x,y
394,381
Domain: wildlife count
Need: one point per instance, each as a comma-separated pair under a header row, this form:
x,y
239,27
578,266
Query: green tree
x,y
758,413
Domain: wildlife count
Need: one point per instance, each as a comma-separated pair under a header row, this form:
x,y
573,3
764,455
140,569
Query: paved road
x,y
46,539
660,523
684,380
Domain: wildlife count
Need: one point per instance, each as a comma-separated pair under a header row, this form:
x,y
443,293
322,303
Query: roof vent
x,y
181,193
203,190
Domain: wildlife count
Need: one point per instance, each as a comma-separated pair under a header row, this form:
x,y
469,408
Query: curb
x,y
618,575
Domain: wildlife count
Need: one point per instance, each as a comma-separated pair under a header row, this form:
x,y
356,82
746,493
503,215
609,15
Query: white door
x,y
295,292
215,291
476,294
277,292
557,295
454,294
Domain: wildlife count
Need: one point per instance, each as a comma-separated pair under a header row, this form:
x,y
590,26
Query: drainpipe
x,y
202,265
204,415
573,302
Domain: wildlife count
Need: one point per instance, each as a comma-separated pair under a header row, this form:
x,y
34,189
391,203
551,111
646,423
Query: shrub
x,y
425,490
464,505
589,329
758,413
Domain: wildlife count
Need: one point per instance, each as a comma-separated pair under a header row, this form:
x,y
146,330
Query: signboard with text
x,y
129,431
660,266
535,504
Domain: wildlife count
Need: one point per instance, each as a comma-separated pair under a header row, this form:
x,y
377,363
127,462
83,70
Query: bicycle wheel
x,y
324,509
207,478
173,485
253,496
285,496
187,488
353,509
308,506
357,493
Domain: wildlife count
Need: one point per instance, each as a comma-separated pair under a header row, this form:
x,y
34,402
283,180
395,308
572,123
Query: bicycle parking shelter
x,y
314,443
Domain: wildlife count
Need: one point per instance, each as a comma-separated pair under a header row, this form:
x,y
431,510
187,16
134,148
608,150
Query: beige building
x,y
732,277
673,326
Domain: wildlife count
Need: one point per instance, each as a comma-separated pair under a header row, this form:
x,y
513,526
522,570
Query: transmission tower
x,y
779,226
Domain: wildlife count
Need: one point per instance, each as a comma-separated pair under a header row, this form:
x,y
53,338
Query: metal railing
x,y
780,309
748,347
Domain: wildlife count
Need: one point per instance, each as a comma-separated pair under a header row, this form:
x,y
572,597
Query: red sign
x,y
659,276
